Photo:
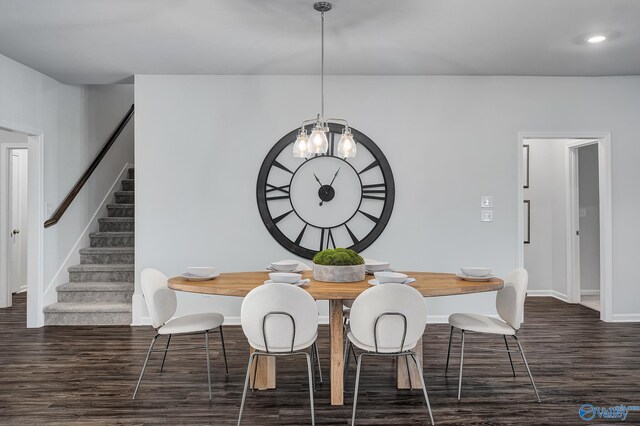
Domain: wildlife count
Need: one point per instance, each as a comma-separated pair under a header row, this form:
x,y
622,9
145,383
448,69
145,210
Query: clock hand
x,y
321,185
334,176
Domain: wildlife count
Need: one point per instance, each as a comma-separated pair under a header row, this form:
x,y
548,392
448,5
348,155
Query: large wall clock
x,y
325,201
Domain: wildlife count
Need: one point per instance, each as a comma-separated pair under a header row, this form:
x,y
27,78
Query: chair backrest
x,y
372,305
510,298
267,312
301,265
161,300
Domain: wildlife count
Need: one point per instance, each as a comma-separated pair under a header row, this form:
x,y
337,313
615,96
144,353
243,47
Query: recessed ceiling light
x,y
596,38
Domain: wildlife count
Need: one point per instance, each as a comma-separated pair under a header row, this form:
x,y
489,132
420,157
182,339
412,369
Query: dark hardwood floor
x,y
86,375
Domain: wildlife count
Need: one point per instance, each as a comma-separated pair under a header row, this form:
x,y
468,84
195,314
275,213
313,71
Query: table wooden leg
x,y
337,352
401,369
265,375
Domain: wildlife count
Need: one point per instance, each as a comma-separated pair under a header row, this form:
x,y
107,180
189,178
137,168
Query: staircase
x,y
100,288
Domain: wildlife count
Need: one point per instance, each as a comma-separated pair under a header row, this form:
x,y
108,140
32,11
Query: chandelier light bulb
x,y
346,146
318,143
301,145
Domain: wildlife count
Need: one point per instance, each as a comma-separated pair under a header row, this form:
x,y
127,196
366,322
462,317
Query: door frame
x,y
35,236
603,139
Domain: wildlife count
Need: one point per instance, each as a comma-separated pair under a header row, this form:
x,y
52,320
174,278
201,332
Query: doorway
x,y
18,220
588,232
14,189
564,225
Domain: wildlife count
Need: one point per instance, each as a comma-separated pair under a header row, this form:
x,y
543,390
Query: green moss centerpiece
x,y
338,265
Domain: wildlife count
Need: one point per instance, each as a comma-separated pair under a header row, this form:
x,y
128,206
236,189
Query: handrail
x,y
64,205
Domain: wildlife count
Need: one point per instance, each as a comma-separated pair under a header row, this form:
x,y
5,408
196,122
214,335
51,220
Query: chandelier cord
x,y
322,68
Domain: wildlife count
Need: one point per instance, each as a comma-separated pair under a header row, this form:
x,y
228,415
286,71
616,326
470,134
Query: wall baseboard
x,y
625,318
590,292
73,257
548,293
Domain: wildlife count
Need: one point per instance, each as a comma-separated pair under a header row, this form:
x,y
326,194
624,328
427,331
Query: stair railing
x,y
64,205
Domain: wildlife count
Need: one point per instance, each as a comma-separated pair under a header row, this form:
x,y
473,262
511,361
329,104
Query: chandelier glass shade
x,y
316,143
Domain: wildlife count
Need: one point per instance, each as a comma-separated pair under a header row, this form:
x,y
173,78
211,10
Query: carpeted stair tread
x,y
88,307
97,286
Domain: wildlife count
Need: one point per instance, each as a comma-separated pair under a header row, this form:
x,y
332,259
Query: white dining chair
x,y
162,303
510,307
279,320
387,320
316,353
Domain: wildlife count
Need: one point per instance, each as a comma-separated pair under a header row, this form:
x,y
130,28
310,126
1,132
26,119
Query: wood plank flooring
x,y
86,375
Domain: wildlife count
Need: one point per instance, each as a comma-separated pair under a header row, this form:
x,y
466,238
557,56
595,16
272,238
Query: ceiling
x,y
108,41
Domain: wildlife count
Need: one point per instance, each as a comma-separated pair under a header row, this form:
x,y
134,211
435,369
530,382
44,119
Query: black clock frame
x,y
334,129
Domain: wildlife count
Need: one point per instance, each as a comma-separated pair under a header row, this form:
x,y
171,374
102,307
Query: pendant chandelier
x,y
316,143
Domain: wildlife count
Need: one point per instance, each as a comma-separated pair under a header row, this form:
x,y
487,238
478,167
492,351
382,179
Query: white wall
x,y
75,122
589,203
201,139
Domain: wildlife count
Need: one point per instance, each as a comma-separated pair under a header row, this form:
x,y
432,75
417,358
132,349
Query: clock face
x,y
324,201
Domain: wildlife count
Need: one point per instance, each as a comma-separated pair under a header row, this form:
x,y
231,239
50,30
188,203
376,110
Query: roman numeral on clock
x,y
282,216
372,191
369,167
370,217
352,235
330,242
283,188
280,166
300,235
280,189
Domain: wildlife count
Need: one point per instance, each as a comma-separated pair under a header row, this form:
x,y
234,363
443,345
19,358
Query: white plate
x,y
369,272
298,283
469,278
295,271
407,281
190,277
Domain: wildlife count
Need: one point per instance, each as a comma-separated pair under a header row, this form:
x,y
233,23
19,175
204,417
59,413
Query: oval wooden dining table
x,y
429,284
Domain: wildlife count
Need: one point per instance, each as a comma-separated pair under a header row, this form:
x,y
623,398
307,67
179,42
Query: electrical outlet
x,y
486,216
486,201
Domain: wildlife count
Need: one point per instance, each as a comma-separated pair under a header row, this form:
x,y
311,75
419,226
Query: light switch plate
x,y
486,216
582,212
48,210
486,201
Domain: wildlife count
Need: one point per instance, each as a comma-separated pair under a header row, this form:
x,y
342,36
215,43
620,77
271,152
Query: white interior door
x,y
17,220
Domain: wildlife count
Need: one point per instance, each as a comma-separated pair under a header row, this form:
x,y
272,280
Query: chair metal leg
x,y
144,366
224,352
313,362
449,350
345,372
165,354
527,365
406,361
509,353
246,385
313,417
353,352
315,345
424,386
461,362
206,348
355,394
255,373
